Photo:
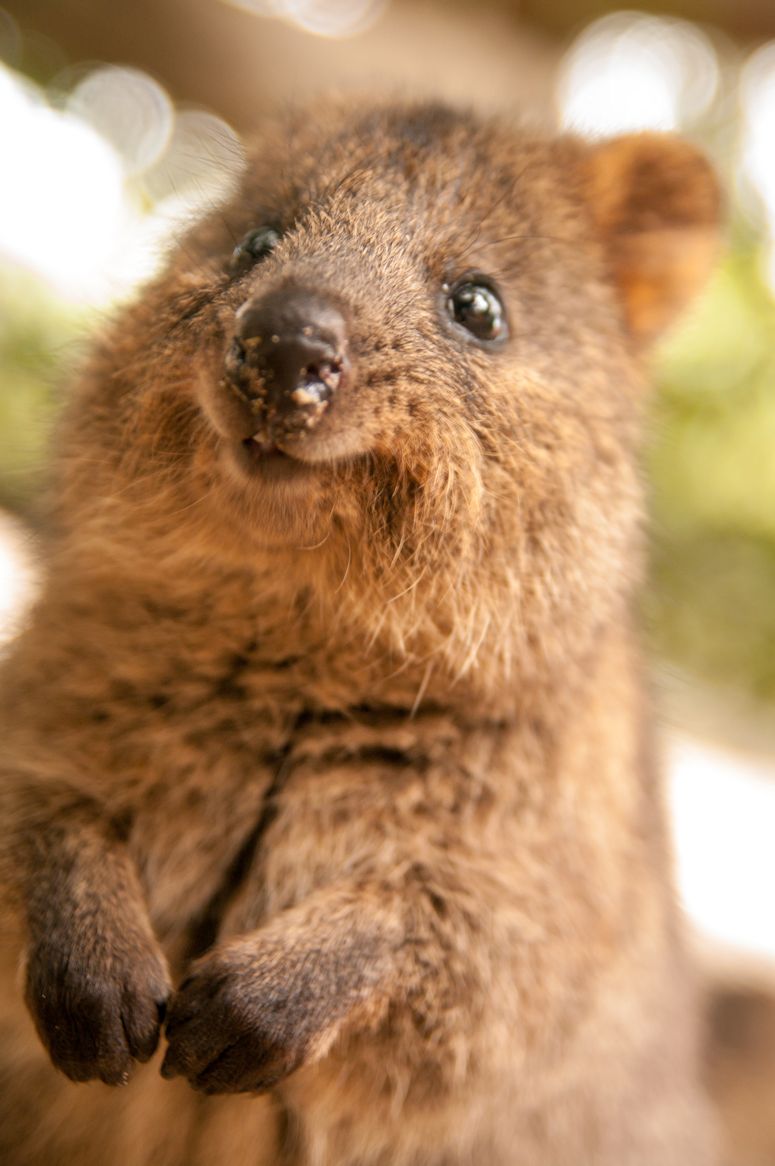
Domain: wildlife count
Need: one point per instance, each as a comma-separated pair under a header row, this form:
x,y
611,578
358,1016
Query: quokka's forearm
x,y
50,828
262,1004
95,979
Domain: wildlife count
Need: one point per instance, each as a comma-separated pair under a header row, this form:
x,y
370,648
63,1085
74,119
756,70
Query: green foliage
x,y
712,466
37,344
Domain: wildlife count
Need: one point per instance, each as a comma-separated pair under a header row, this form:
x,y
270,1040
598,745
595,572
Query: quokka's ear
x,y
657,204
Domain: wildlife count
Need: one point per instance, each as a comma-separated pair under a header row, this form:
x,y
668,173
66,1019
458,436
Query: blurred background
x,y
118,122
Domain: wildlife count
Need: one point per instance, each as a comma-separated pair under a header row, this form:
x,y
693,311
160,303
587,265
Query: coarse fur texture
x,y
336,745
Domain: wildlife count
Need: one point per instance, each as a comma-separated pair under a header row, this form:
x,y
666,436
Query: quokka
x,y
326,752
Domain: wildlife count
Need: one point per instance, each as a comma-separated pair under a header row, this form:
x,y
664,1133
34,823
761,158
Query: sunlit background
x,y
118,123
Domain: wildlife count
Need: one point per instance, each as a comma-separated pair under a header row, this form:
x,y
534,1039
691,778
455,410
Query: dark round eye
x,y
478,309
256,245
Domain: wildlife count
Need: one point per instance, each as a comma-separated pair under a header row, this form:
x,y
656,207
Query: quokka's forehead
x,y
399,154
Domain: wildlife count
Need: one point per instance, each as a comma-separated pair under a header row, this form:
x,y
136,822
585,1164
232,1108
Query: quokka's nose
x,y
289,354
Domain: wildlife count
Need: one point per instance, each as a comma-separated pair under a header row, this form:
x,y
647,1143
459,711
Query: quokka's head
x,y
407,347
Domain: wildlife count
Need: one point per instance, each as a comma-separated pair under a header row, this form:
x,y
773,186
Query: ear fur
x,y
657,205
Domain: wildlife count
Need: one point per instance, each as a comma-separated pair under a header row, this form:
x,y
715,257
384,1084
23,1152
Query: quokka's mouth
x,y
262,459
261,449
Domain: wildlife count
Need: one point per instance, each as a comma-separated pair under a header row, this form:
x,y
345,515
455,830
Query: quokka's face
x,y
415,328
392,299
382,300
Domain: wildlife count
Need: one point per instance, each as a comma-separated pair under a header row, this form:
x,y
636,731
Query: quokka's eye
x,y
256,245
478,309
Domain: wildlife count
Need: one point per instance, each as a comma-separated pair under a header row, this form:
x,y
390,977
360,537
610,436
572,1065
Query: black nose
x,y
289,357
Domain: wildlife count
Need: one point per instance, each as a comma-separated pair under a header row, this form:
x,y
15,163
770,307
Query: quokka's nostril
x,y
326,370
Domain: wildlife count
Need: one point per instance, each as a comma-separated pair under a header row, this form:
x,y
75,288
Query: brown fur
x,y
370,746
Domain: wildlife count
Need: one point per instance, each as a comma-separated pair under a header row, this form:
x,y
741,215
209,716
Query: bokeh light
x,y
198,169
101,183
723,810
757,100
64,209
333,18
629,71
18,576
128,109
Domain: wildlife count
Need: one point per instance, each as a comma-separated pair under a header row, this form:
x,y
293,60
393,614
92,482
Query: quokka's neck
x,y
344,644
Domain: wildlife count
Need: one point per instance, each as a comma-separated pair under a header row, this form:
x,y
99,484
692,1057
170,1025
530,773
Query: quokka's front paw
x,y
246,1018
97,998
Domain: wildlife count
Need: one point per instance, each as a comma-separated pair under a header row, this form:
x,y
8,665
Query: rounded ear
x,y
657,205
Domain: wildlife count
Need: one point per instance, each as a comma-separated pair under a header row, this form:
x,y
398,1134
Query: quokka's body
x,y
332,688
